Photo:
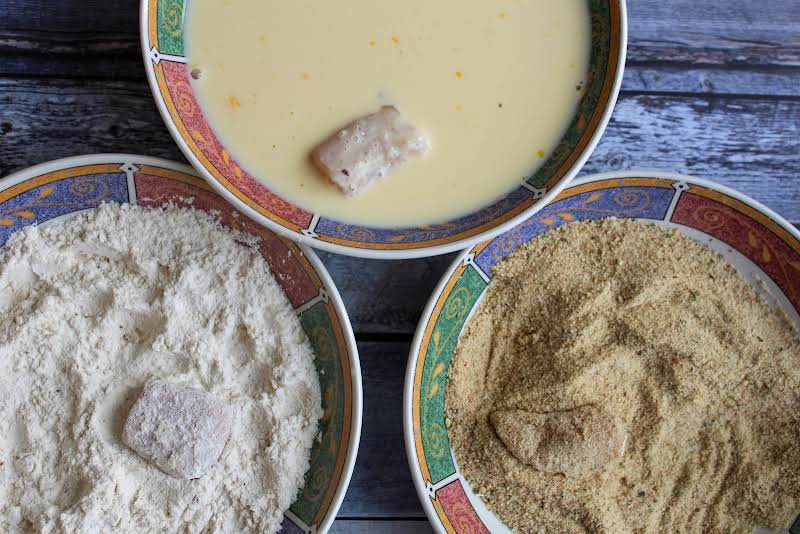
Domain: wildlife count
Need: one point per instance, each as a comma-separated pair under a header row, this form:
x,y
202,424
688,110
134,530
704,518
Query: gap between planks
x,y
386,526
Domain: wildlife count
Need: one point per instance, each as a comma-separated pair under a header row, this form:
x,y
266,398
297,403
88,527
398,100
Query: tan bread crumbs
x,y
659,331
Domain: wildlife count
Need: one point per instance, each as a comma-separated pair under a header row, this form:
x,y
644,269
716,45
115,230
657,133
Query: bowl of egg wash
x,y
626,360
381,130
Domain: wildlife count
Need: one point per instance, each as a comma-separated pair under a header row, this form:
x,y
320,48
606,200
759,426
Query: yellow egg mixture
x,y
492,83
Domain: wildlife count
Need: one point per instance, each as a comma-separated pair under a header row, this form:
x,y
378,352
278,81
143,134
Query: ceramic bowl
x,y
163,49
60,188
759,243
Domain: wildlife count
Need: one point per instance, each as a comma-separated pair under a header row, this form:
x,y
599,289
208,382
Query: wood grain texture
x,y
733,32
45,118
381,484
385,297
669,78
729,33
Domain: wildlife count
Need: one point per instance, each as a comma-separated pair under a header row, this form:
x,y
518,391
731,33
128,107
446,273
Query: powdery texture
x,y
180,430
93,308
659,331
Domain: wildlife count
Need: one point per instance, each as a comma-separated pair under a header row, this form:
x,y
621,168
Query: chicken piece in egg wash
x,y
368,149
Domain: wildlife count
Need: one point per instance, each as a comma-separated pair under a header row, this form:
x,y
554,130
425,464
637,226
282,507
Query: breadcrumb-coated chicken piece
x,y
576,443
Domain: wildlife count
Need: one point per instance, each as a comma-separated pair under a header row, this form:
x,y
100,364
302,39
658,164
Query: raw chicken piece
x,y
181,430
575,443
368,149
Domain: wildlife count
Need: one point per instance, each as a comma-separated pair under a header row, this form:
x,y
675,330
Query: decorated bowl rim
x,y
399,253
334,297
413,357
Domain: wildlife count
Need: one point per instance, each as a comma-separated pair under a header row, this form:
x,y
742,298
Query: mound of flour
x,y
92,309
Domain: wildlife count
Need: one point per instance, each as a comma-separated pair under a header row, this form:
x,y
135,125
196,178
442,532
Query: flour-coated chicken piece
x,y
180,430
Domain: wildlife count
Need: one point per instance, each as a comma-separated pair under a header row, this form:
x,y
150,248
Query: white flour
x,y
91,309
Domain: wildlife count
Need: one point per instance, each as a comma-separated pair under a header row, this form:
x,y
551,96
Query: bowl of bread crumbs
x,y
166,364
627,360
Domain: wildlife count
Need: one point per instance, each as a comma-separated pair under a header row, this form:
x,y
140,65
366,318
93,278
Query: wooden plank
x,y
66,54
381,484
99,39
46,119
733,32
386,296
349,526
71,16
722,80
37,54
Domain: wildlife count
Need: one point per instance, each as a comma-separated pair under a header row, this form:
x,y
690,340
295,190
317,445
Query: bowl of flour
x,y
117,271
627,360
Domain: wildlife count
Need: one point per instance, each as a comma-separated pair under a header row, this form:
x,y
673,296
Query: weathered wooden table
x,y
711,89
